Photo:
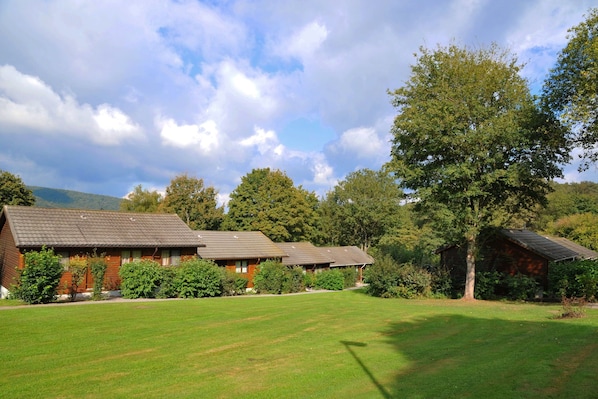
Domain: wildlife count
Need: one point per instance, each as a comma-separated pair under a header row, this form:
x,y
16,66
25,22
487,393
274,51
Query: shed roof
x,y
581,251
229,245
303,253
73,228
549,249
347,256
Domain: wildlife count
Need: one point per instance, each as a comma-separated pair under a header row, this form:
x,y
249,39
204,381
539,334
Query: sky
x,y
101,96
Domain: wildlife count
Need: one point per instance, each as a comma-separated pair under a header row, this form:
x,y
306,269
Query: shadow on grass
x,y
458,356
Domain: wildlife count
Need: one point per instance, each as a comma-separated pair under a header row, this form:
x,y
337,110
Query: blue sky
x,y
100,96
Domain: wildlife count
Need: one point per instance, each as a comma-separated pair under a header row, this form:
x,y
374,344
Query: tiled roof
x,y
303,253
224,245
551,250
582,252
71,228
347,256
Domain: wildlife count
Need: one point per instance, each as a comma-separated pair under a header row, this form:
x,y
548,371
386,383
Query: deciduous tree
x,y
571,89
470,141
195,203
142,200
13,191
361,208
267,201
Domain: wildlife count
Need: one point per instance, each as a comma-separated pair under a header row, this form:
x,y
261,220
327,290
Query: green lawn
x,y
327,345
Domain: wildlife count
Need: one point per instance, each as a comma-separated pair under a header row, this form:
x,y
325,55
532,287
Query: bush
x,y
413,281
168,288
349,277
309,280
573,279
198,278
233,283
140,279
269,277
78,269
486,284
97,266
38,281
293,280
520,287
382,277
330,280
493,285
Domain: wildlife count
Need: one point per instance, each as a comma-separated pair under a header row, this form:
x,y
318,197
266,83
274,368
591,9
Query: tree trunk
x,y
470,273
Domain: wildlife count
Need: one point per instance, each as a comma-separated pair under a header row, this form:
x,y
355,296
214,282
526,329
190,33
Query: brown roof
x,y
71,228
347,256
582,252
551,250
303,253
224,245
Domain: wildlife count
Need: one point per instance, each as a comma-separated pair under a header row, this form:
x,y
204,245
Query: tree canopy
x,y
361,208
142,200
470,141
195,203
267,201
571,89
13,191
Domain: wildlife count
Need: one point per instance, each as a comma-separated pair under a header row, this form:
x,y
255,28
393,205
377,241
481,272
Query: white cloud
x,y
266,141
27,102
204,137
362,142
306,41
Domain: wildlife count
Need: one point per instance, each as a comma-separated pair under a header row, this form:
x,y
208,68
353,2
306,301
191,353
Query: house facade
x,y
121,237
516,251
238,251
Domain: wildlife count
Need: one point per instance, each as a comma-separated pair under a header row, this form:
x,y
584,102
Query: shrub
x,y
38,281
486,284
269,277
330,280
382,277
233,283
413,281
140,279
198,278
573,279
309,280
167,287
349,277
293,280
520,287
78,269
97,266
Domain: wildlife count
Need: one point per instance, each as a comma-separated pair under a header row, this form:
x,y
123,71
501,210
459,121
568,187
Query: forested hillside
x,y
57,198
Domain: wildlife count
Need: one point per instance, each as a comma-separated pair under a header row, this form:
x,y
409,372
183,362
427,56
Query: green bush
x,y
413,281
309,280
140,279
269,277
330,280
97,266
233,283
349,277
293,280
486,284
198,278
382,277
167,287
38,281
577,279
520,287
78,269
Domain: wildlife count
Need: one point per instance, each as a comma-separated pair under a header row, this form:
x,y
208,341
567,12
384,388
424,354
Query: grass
x,y
329,345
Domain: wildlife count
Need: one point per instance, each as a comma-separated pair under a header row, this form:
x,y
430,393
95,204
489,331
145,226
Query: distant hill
x,y
56,198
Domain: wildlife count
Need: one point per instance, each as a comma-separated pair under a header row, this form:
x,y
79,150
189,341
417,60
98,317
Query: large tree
x,y
267,201
142,200
361,208
471,143
195,203
571,89
13,191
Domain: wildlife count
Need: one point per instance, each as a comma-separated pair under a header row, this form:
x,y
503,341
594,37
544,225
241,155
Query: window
x,y
128,255
64,259
241,266
171,257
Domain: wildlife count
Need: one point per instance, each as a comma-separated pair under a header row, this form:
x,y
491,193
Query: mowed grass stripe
x,y
332,345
